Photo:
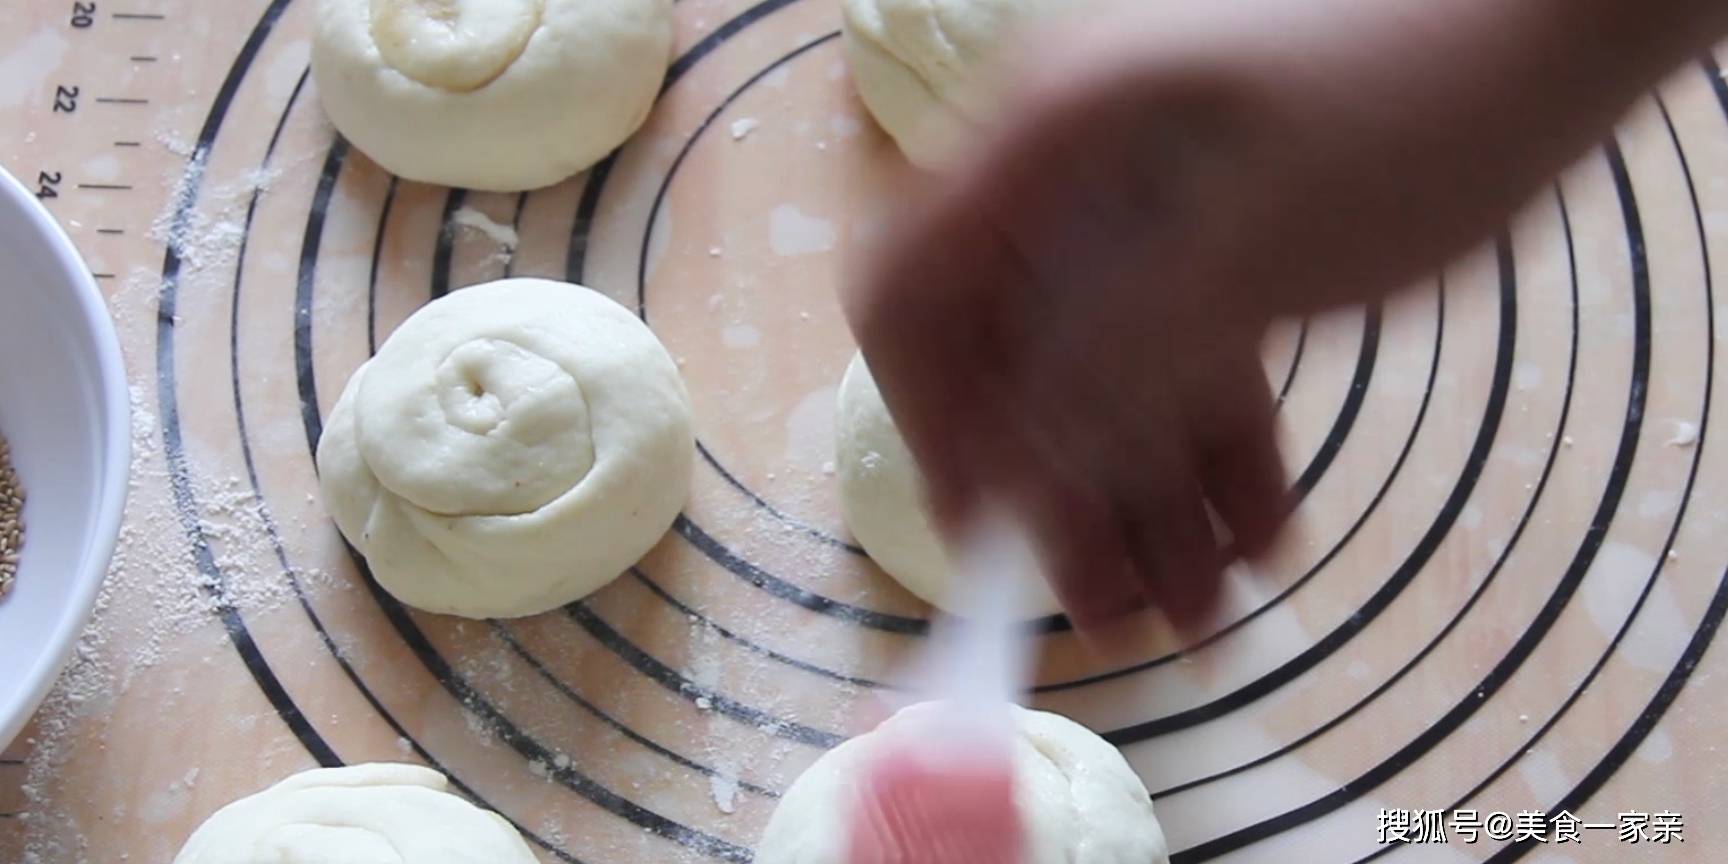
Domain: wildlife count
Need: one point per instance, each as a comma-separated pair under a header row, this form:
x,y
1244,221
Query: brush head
x,y
942,792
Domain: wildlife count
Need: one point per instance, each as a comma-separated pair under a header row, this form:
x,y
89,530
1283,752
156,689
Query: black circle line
x,y
642,270
1474,465
757,576
1601,521
1295,363
576,254
516,231
1702,637
727,634
444,246
179,479
509,639
666,677
372,271
1661,557
1685,499
1541,486
531,749
1348,412
313,237
215,582
1646,722
761,578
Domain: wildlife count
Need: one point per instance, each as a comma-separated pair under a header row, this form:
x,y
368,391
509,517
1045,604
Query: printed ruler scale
x,y
1505,577
85,92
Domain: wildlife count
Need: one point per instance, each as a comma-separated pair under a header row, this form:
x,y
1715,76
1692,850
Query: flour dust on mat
x,y
155,610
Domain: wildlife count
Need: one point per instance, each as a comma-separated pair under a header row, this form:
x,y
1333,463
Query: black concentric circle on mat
x,y
1436,422
718,551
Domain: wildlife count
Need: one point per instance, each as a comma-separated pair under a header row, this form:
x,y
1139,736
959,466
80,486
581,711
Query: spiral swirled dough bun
x,y
512,447
1079,801
501,95
881,499
924,68
377,813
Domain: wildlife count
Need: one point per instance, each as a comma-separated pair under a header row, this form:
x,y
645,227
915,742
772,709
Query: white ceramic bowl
x,y
63,408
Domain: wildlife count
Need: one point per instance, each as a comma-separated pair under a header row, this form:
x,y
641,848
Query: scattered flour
x,y
155,603
1685,434
792,232
499,233
725,791
215,223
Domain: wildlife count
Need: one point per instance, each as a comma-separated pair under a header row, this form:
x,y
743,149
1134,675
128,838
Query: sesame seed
x,y
11,519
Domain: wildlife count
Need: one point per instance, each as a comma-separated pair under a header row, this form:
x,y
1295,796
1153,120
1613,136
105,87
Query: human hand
x,y
1070,324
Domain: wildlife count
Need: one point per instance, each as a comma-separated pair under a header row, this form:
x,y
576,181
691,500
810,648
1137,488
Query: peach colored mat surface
x,y
1501,592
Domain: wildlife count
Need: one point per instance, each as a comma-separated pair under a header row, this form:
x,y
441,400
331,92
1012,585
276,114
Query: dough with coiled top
x,y
512,447
361,814
881,497
926,68
1080,802
501,95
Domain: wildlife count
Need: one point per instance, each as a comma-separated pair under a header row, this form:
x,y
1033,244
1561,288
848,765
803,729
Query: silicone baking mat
x,y
1500,592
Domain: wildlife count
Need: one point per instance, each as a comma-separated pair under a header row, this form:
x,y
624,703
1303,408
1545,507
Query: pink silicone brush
x,y
943,792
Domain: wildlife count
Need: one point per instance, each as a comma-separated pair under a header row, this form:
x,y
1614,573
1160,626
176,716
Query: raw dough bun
x,y
361,814
922,67
512,447
1079,801
881,496
501,95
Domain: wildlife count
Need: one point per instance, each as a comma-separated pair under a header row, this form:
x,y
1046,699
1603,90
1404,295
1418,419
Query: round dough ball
x,y
922,67
512,447
501,95
881,497
1079,801
361,814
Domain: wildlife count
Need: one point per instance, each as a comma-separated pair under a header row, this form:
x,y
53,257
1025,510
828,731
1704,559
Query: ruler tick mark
x,y
120,187
127,144
121,100
110,230
139,16
143,58
103,275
